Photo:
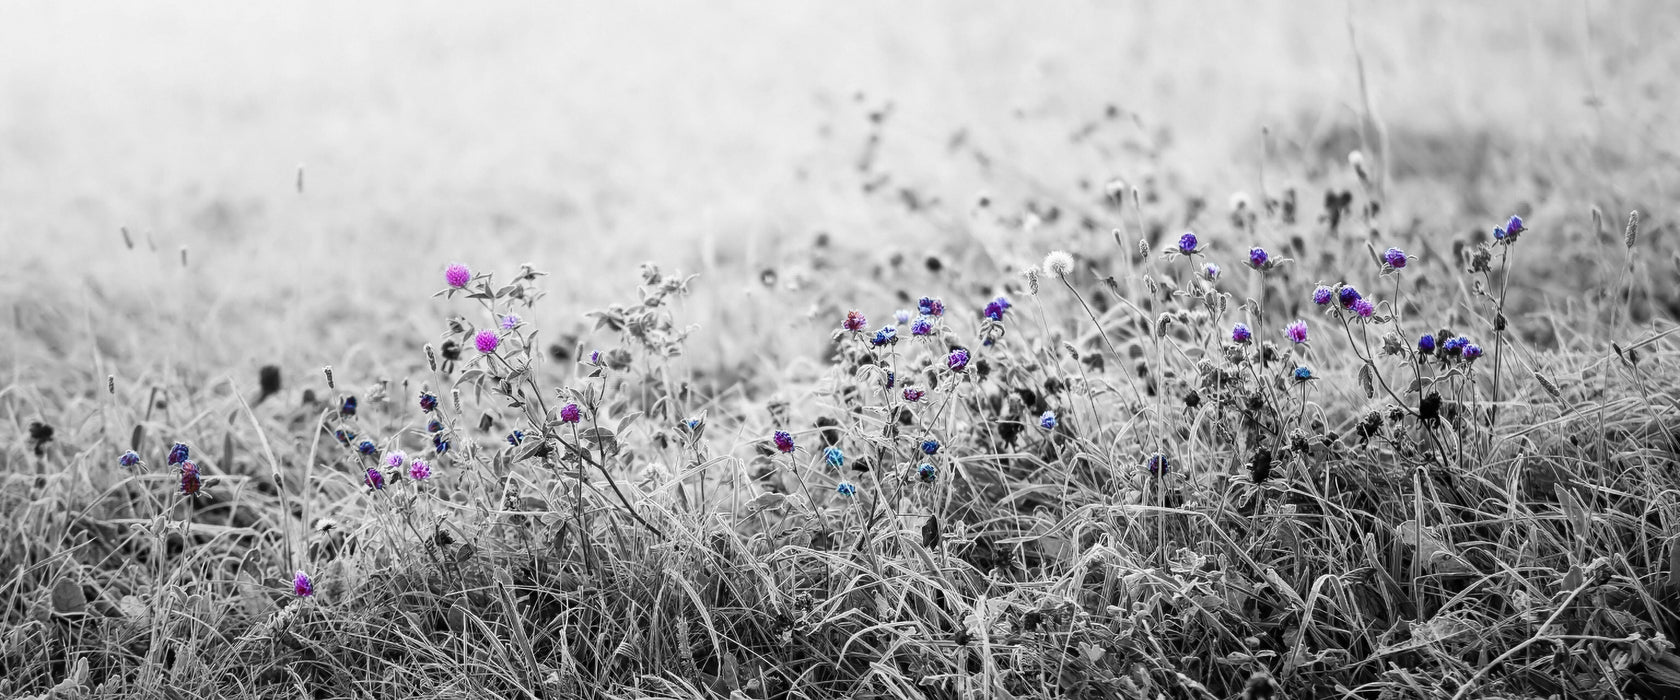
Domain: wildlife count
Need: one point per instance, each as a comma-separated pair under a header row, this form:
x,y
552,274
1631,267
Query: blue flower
x,y
129,458
367,447
178,454
1241,334
428,401
1158,464
348,408
1348,296
1322,294
835,457
930,306
886,336
434,425
922,326
440,442
1426,344
930,447
1048,420
1455,346
1258,257
1471,351
516,437
1187,243
1303,373
846,489
927,473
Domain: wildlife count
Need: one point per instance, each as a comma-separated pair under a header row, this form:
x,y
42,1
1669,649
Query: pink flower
x,y
457,275
571,413
302,585
486,341
1296,331
1364,308
419,470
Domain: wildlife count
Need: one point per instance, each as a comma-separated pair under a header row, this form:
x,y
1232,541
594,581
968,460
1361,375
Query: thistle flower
x,y
486,341
419,470
784,441
1347,296
922,326
930,306
129,458
957,360
1241,334
1058,263
1296,331
428,402
367,447
1471,352
570,413
1187,244
1323,294
1395,257
912,394
374,479
888,335
516,437
191,483
930,447
845,488
395,460
1364,308
1048,420
1158,464
855,321
1426,344
1258,257
302,585
178,454
457,275
927,473
1210,271
509,322
1303,373
834,457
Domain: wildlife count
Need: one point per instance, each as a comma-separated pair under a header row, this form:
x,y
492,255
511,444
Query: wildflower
x,y
1303,373
855,321
1455,346
1322,295
1426,344
1395,257
516,437
912,394
440,442
344,436
428,401
1364,308
1210,271
570,413
129,458
419,470
434,425
1187,244
930,306
374,479
1347,296
846,489
888,335
367,447
1158,464
922,326
1471,352
395,460
1258,257
892,379
930,447
996,307
594,357
784,441
348,408
1048,420
1509,232
191,483
486,341
178,453
1059,263
302,585
1296,331
927,473
509,321
457,275
834,457
1241,334
957,360
692,423
902,316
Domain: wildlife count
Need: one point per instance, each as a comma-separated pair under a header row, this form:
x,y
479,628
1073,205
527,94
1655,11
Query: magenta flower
x,y
913,394
457,275
419,470
1323,294
191,483
1296,331
486,341
302,585
1240,333
571,413
783,440
395,460
1364,308
855,321
1395,257
374,479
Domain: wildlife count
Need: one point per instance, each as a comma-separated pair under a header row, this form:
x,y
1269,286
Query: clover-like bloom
x,y
888,335
1426,344
927,473
1241,334
570,413
457,275
930,306
1303,373
845,488
783,440
1048,420
302,585
1296,331
1364,308
855,321
1323,294
1258,257
1395,257
957,360
930,447
1187,243
419,470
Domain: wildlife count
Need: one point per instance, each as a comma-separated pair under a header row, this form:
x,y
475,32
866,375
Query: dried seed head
x,y
431,357
1143,248
455,400
1071,351
328,371
111,383
1547,384
1630,235
1031,274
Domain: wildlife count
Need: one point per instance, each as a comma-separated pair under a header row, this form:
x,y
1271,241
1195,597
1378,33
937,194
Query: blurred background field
x,y
723,138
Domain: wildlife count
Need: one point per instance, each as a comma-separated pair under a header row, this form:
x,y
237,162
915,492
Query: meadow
x,y
1252,350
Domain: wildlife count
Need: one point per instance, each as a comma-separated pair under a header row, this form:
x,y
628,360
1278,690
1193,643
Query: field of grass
x,y
1078,463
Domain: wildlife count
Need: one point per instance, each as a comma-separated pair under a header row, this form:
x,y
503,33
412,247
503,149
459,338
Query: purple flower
x,y
434,425
1364,308
1048,420
394,460
440,442
912,394
1210,271
1187,243
892,379
344,436
1323,294
428,402
1296,331
922,326
1158,464
995,309
1455,346
594,357
367,447
129,458
1241,334
888,335
855,321
418,470
1258,257
457,275
1514,226
902,316
509,322
486,341
1347,296
570,413
1471,351
190,481
302,585
930,447
1426,344
930,306
957,360
178,453
783,440
1395,257
348,408
374,479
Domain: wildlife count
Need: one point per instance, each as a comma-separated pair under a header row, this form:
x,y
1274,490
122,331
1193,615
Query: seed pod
x,y
1548,385
328,371
431,357
1630,235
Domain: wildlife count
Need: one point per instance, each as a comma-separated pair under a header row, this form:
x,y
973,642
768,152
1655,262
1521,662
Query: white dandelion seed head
x,y
1058,263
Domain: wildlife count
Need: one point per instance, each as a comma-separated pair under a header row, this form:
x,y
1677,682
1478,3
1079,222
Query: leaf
x,y
768,501
1365,381
729,671
1436,554
930,532
68,598
625,421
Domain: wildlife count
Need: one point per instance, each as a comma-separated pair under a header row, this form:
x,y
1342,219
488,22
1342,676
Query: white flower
x,y
1058,263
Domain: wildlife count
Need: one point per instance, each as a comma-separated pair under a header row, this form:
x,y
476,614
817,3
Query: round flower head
x,y
191,483
1347,296
922,326
486,341
344,436
1426,343
1187,243
995,309
509,322
902,316
419,470
834,457
302,585
594,357
886,336
1509,232
178,454
570,413
516,437
1395,257
457,275
1471,351
434,425
1296,331
129,458
1048,420
846,489
348,408
1323,294
930,447
930,306
428,402
957,360
1364,308
1303,373
374,479
1258,257
855,321
1455,346
440,442
1210,271
367,447
395,460
783,440
912,394
1241,334
1058,263
1158,464
927,473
